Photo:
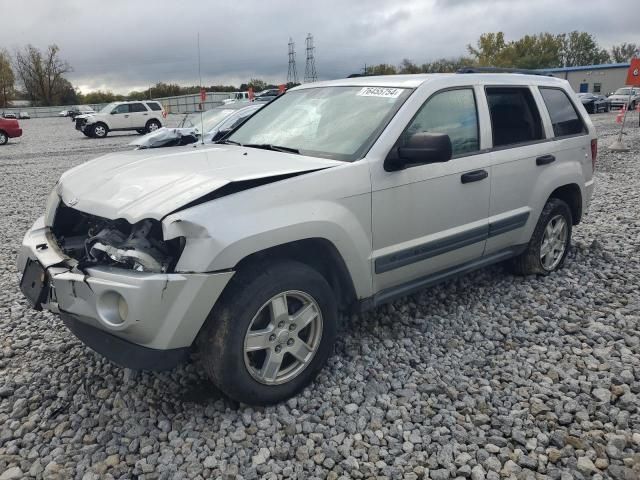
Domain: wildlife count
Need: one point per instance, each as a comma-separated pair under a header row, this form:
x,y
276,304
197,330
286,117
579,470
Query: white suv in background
x,y
141,116
335,197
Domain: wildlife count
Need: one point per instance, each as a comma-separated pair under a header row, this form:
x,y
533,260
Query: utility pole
x,y
292,73
310,74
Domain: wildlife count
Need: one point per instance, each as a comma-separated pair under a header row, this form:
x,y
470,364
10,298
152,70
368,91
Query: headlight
x,y
52,205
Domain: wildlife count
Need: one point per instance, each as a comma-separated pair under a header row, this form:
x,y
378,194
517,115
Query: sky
x,y
121,45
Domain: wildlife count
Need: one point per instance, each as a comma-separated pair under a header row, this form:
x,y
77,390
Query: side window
x,y
564,117
514,116
124,108
453,112
154,106
137,107
597,87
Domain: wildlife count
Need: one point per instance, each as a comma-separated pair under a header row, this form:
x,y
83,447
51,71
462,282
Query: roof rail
x,y
523,71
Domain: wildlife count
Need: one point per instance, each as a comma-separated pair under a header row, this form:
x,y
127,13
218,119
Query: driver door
x,y
120,117
430,218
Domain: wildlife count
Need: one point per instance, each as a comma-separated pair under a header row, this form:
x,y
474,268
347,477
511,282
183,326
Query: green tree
x,y
490,50
581,48
381,69
543,50
407,66
7,79
99,96
446,65
624,52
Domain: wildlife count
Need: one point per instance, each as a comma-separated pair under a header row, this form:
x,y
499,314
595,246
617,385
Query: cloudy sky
x,y
125,44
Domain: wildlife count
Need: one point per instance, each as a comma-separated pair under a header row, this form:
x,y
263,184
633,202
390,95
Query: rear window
x,y
564,117
138,107
514,116
154,106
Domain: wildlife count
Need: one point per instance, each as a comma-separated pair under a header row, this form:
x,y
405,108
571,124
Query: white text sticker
x,y
380,92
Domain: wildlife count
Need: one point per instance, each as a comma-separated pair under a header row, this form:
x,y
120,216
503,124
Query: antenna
x,y
202,108
292,74
310,74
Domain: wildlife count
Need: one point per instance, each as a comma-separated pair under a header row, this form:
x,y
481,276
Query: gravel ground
x,y
489,376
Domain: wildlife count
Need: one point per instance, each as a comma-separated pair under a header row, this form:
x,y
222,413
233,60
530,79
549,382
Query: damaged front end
x,y
93,240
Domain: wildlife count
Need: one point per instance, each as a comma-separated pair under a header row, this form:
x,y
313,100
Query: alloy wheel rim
x,y
554,242
99,131
153,127
3,137
283,337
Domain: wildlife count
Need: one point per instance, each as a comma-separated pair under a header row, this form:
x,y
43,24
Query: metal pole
x,y
202,108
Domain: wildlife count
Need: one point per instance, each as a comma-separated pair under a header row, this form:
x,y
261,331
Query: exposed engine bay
x,y
93,240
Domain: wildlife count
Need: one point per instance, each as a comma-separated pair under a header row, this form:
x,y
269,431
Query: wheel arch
x,y
572,196
318,253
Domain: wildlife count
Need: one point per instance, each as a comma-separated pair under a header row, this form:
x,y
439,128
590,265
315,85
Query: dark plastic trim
x,y
122,352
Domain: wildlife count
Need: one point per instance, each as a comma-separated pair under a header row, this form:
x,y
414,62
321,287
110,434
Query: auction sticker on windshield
x,y
380,92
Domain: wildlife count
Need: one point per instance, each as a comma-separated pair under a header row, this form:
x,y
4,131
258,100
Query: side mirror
x,y
113,112
421,148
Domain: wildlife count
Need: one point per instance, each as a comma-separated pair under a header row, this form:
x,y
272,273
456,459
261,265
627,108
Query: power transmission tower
x,y
310,74
292,74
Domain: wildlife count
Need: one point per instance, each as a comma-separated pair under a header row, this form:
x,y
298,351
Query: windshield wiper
x,y
275,148
229,142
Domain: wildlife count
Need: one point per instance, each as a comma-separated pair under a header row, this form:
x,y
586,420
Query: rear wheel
x,y
4,138
550,241
99,130
152,126
270,333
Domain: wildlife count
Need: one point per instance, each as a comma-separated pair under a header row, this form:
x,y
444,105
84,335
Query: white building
x,y
603,79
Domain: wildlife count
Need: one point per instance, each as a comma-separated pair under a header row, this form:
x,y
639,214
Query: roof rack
x,y
523,71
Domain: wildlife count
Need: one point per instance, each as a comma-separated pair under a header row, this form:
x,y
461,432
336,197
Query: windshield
x,y
210,119
338,123
624,91
107,108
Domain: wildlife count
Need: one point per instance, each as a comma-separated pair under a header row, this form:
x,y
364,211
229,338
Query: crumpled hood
x,y
152,183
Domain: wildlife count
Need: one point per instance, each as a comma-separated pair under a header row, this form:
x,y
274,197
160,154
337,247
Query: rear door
x,y
139,115
519,153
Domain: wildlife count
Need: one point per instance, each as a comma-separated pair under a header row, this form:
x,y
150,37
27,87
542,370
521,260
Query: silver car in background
x,y
207,127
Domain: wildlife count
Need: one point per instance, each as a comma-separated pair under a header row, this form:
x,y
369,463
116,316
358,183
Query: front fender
x,y
222,232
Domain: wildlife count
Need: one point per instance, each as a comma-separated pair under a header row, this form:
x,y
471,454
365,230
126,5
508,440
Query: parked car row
x,y
20,115
9,128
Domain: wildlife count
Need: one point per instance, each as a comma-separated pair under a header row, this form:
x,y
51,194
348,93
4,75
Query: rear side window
x,y
514,116
452,112
564,117
154,106
138,107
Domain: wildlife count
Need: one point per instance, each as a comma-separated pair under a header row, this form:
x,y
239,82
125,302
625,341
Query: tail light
x,y
594,153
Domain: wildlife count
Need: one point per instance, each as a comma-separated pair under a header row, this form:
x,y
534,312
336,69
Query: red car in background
x,y
9,128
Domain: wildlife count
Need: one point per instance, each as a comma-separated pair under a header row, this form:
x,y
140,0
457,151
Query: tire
x,y
99,130
4,138
244,307
152,126
531,261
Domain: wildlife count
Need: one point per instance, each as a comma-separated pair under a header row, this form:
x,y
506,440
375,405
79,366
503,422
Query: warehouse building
x,y
603,79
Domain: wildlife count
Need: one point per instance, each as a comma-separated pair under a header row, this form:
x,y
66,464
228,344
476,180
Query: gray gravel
x,y
490,376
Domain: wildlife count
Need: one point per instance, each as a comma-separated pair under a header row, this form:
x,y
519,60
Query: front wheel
x,y
100,130
152,126
549,244
270,333
4,138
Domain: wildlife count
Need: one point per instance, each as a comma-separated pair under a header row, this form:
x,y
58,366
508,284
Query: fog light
x,y
112,308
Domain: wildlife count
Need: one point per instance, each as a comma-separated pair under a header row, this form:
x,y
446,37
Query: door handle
x,y
545,160
474,176
126,116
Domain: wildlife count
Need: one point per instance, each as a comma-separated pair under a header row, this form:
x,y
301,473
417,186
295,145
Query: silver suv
x,y
336,197
143,117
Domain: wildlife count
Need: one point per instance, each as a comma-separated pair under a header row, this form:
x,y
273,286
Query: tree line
x,y
542,50
40,75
